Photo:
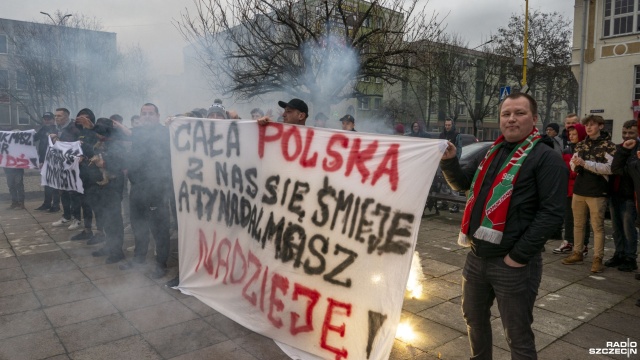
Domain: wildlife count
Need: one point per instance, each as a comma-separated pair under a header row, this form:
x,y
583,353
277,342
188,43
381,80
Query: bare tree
x,y
549,53
308,48
70,63
479,77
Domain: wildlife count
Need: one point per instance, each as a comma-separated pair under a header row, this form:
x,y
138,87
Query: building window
x,y
23,116
620,17
366,79
377,103
4,79
21,80
363,103
3,44
5,114
378,80
636,95
462,110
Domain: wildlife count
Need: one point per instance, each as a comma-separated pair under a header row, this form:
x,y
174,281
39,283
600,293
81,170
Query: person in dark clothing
x,y
453,136
15,183
107,157
622,203
149,171
66,131
416,131
85,122
51,201
512,208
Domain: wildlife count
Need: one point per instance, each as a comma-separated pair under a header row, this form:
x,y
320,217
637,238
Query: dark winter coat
x,y
535,211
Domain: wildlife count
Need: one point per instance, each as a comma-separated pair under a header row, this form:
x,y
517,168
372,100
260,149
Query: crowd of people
x,y
526,189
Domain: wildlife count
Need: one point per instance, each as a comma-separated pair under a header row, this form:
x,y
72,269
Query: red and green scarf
x,y
494,214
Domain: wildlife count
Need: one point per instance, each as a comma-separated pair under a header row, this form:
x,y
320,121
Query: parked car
x,y
440,190
466,138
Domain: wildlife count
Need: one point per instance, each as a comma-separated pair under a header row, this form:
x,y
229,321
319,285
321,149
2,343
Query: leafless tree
x,y
314,49
67,63
549,52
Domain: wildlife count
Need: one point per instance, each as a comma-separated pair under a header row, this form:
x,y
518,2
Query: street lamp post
x,y
61,22
526,46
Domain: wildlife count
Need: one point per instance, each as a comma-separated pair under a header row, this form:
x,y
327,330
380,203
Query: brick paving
x,y
59,302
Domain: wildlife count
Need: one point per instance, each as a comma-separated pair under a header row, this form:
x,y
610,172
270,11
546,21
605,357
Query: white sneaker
x,y
75,224
61,222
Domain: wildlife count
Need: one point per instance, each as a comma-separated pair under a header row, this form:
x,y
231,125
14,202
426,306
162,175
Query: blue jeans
x,y
515,289
625,235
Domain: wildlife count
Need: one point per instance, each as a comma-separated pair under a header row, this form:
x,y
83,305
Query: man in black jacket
x,y
51,196
622,204
507,235
149,171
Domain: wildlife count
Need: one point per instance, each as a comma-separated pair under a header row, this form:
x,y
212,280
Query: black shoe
x,y
628,265
173,282
43,207
637,276
159,272
615,261
454,209
96,239
101,252
84,235
112,259
54,209
136,262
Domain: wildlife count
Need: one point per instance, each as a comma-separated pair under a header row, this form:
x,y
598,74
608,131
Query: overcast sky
x,y
149,23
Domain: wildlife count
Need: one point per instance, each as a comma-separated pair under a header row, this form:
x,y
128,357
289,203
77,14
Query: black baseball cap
x,y
48,114
295,104
348,118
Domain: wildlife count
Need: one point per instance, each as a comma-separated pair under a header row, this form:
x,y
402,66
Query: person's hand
x,y
510,262
577,161
169,120
629,144
263,120
233,114
54,137
450,152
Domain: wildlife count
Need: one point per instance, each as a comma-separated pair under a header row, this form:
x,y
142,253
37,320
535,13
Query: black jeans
x,y
106,205
51,197
65,199
515,289
149,213
15,183
80,209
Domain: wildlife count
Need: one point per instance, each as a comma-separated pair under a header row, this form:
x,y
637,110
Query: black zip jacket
x,y
621,183
537,204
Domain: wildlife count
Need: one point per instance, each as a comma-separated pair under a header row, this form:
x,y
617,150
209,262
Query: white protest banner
x,y
303,235
18,150
61,169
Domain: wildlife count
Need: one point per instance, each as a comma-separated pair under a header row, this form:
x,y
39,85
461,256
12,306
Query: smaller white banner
x,y
61,169
18,150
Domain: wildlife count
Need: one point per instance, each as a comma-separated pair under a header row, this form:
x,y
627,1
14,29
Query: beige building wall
x,y
609,77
